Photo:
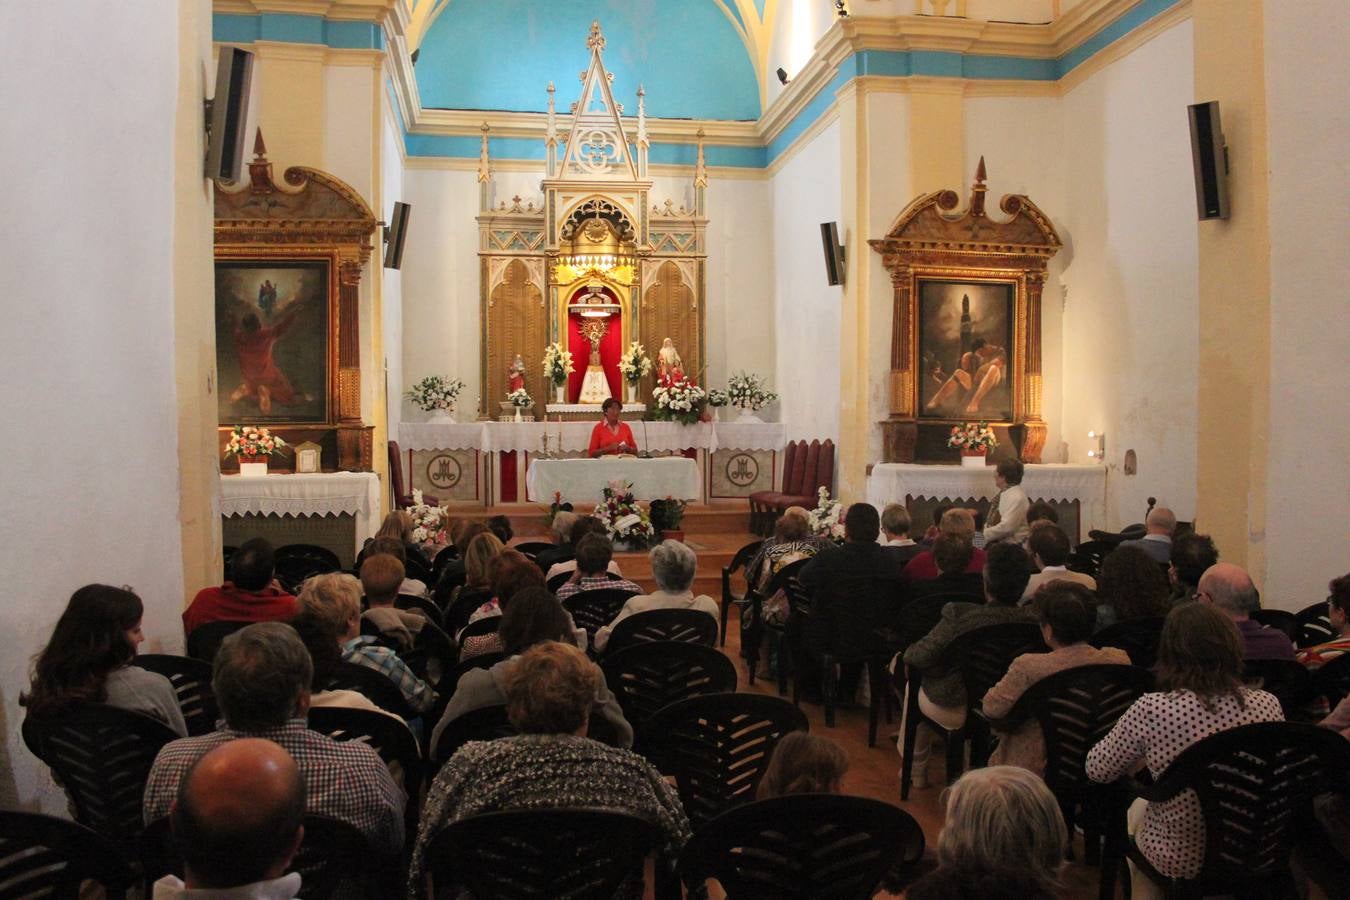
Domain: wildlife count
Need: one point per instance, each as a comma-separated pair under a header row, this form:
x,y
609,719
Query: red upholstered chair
x,y
762,502
402,496
809,468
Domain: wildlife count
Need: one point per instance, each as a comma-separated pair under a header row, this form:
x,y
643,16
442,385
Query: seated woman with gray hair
x,y
673,569
1004,837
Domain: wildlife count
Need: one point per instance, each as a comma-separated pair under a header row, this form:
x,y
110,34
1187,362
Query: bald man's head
x,y
239,814
1161,520
1230,588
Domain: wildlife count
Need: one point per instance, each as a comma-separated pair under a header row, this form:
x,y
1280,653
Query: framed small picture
x,y
306,457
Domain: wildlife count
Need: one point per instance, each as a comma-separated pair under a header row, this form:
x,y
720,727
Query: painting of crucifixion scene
x,y
965,332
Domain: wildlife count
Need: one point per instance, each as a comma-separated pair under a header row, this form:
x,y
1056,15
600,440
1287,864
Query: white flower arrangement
x,y
718,398
520,398
635,364
826,520
682,402
623,518
428,521
973,437
249,442
435,392
749,391
557,363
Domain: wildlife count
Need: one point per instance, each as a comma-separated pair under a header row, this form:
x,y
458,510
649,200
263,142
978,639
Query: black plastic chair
x,y
558,581
332,854
388,737
102,756
729,597
43,856
443,556
485,625
1280,620
1288,680
983,656
786,579
1076,708
205,640
717,747
1332,680
191,680
593,610
1137,637
1087,557
579,853
417,570
1253,784
377,688
807,846
533,548
649,677
1314,625
296,562
457,614
689,626
429,609
486,723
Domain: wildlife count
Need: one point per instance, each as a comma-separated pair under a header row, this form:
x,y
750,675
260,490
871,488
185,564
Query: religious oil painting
x,y
965,343
272,341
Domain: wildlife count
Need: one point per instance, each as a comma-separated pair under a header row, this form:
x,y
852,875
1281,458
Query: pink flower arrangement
x,y
249,442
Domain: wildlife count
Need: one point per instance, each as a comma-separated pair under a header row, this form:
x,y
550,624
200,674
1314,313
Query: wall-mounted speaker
x,y
1209,153
227,115
394,236
834,252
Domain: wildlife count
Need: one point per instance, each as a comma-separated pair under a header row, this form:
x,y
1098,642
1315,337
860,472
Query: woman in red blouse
x,y
610,435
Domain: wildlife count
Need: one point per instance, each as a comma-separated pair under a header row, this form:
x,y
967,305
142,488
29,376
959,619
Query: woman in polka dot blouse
x,y
1200,669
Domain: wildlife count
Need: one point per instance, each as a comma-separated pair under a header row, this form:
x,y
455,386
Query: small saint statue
x,y
515,375
669,366
594,385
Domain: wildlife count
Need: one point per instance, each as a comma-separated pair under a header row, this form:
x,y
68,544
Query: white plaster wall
x,y
1130,323
440,283
1308,485
740,312
805,192
796,26
89,323
1022,142
391,299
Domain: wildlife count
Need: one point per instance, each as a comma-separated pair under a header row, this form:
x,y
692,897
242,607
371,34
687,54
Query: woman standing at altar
x,y
611,436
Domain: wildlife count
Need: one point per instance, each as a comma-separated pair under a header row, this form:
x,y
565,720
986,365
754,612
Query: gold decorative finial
x,y
977,190
596,41
484,164
259,148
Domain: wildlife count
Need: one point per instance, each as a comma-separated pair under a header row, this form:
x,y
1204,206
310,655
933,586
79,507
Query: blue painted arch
x,y
501,54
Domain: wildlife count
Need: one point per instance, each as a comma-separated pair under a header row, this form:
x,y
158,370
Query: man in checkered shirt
x,y
262,681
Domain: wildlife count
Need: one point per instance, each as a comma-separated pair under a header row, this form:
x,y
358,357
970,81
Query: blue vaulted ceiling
x,y
501,54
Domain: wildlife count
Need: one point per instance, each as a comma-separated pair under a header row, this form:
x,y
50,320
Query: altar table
x,y
583,480
314,494
654,437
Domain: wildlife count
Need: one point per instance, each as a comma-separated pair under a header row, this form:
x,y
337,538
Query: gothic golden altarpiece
x,y
595,234
931,251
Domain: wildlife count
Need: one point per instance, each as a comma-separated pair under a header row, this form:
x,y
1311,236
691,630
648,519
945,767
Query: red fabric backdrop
x,y
611,348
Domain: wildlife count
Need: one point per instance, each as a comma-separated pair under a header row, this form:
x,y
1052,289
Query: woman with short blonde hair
x,y
478,557
1003,818
334,598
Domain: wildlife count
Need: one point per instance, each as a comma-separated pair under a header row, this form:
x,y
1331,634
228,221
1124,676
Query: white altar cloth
x,y
583,480
440,435
318,494
892,482
655,437
736,435
630,409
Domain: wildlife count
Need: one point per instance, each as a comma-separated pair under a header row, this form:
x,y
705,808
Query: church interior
x,y
1009,197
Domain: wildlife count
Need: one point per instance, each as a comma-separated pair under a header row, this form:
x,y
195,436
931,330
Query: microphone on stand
x,y
644,453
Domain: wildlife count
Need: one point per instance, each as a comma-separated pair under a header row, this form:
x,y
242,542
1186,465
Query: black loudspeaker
x,y
834,252
1210,156
394,235
227,115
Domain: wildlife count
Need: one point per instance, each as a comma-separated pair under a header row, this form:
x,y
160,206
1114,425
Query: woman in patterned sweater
x,y
551,763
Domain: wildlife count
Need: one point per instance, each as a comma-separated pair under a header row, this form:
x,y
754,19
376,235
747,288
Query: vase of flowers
x,y
253,446
666,517
681,401
749,393
436,394
975,440
826,520
557,366
634,365
428,523
717,398
629,526
520,399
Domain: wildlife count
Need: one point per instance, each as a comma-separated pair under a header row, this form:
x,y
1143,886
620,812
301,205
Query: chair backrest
x,y
794,476
718,745
43,856
443,556
790,459
386,735
533,548
803,846
377,688
544,853
191,680
416,569
485,625
1254,784
296,562
806,476
558,581
483,724
984,654
1332,679
1087,557
1314,625
593,610
788,580
1137,637
411,601
1279,619
918,617
457,614
1076,708
102,755
396,475
204,640
743,557
649,677
824,474
1288,680
691,626
481,661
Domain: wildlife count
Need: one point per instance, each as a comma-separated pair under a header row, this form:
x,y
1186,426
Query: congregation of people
x,y
491,626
